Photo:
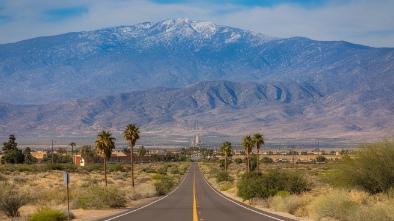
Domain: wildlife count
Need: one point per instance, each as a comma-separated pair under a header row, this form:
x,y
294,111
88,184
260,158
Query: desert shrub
x,y
3,178
376,212
238,160
48,214
163,183
174,170
293,204
226,187
92,167
149,170
321,159
268,184
336,204
116,167
19,179
49,196
213,171
223,176
12,199
182,159
62,167
99,197
371,169
19,167
266,160
145,190
163,170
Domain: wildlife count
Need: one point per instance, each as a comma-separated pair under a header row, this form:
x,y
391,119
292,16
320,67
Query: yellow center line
x,y
195,217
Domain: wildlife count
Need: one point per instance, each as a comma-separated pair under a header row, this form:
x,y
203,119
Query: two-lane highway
x,y
195,200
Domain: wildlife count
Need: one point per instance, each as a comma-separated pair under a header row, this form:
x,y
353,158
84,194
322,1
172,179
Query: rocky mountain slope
x,y
293,110
167,75
176,53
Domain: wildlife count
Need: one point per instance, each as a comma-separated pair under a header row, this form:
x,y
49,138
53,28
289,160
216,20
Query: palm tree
x,y
72,144
131,134
258,140
226,150
248,145
104,145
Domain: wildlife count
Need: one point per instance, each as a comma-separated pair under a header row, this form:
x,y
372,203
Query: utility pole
x,y
292,152
52,153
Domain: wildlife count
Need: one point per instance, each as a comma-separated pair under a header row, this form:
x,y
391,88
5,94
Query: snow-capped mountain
x,y
176,53
336,86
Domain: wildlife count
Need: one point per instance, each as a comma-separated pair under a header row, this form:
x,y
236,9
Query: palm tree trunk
x,y
258,156
225,162
105,171
132,167
248,162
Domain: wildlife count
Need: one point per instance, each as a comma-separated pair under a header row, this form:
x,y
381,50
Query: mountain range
x,y
167,75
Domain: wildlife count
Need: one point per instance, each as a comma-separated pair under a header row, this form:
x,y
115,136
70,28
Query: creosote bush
x,y
12,199
163,183
48,214
336,204
371,169
223,176
99,197
144,190
268,184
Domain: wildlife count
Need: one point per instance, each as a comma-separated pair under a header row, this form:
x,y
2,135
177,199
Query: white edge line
x,y
239,203
132,211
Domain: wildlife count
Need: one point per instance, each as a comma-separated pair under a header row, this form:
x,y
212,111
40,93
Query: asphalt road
x,y
195,200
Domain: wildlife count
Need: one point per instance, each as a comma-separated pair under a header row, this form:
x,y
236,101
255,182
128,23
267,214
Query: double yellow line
x,y
195,217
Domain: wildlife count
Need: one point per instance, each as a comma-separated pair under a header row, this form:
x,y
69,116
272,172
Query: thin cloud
x,y
54,15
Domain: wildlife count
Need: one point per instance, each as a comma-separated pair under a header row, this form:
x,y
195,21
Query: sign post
x,y
67,181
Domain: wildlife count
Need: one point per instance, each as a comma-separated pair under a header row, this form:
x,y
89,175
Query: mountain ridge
x,y
166,75
147,55
220,107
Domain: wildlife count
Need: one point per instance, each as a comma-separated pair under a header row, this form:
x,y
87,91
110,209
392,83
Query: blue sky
x,y
358,21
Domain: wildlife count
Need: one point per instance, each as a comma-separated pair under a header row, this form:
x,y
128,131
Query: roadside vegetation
x,y
358,187
30,185
32,190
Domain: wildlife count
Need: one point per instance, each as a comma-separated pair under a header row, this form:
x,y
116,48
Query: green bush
x,y
116,167
149,170
223,176
92,167
267,160
268,184
99,197
20,168
321,159
174,170
371,169
163,170
238,160
213,171
48,214
226,187
62,167
163,183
